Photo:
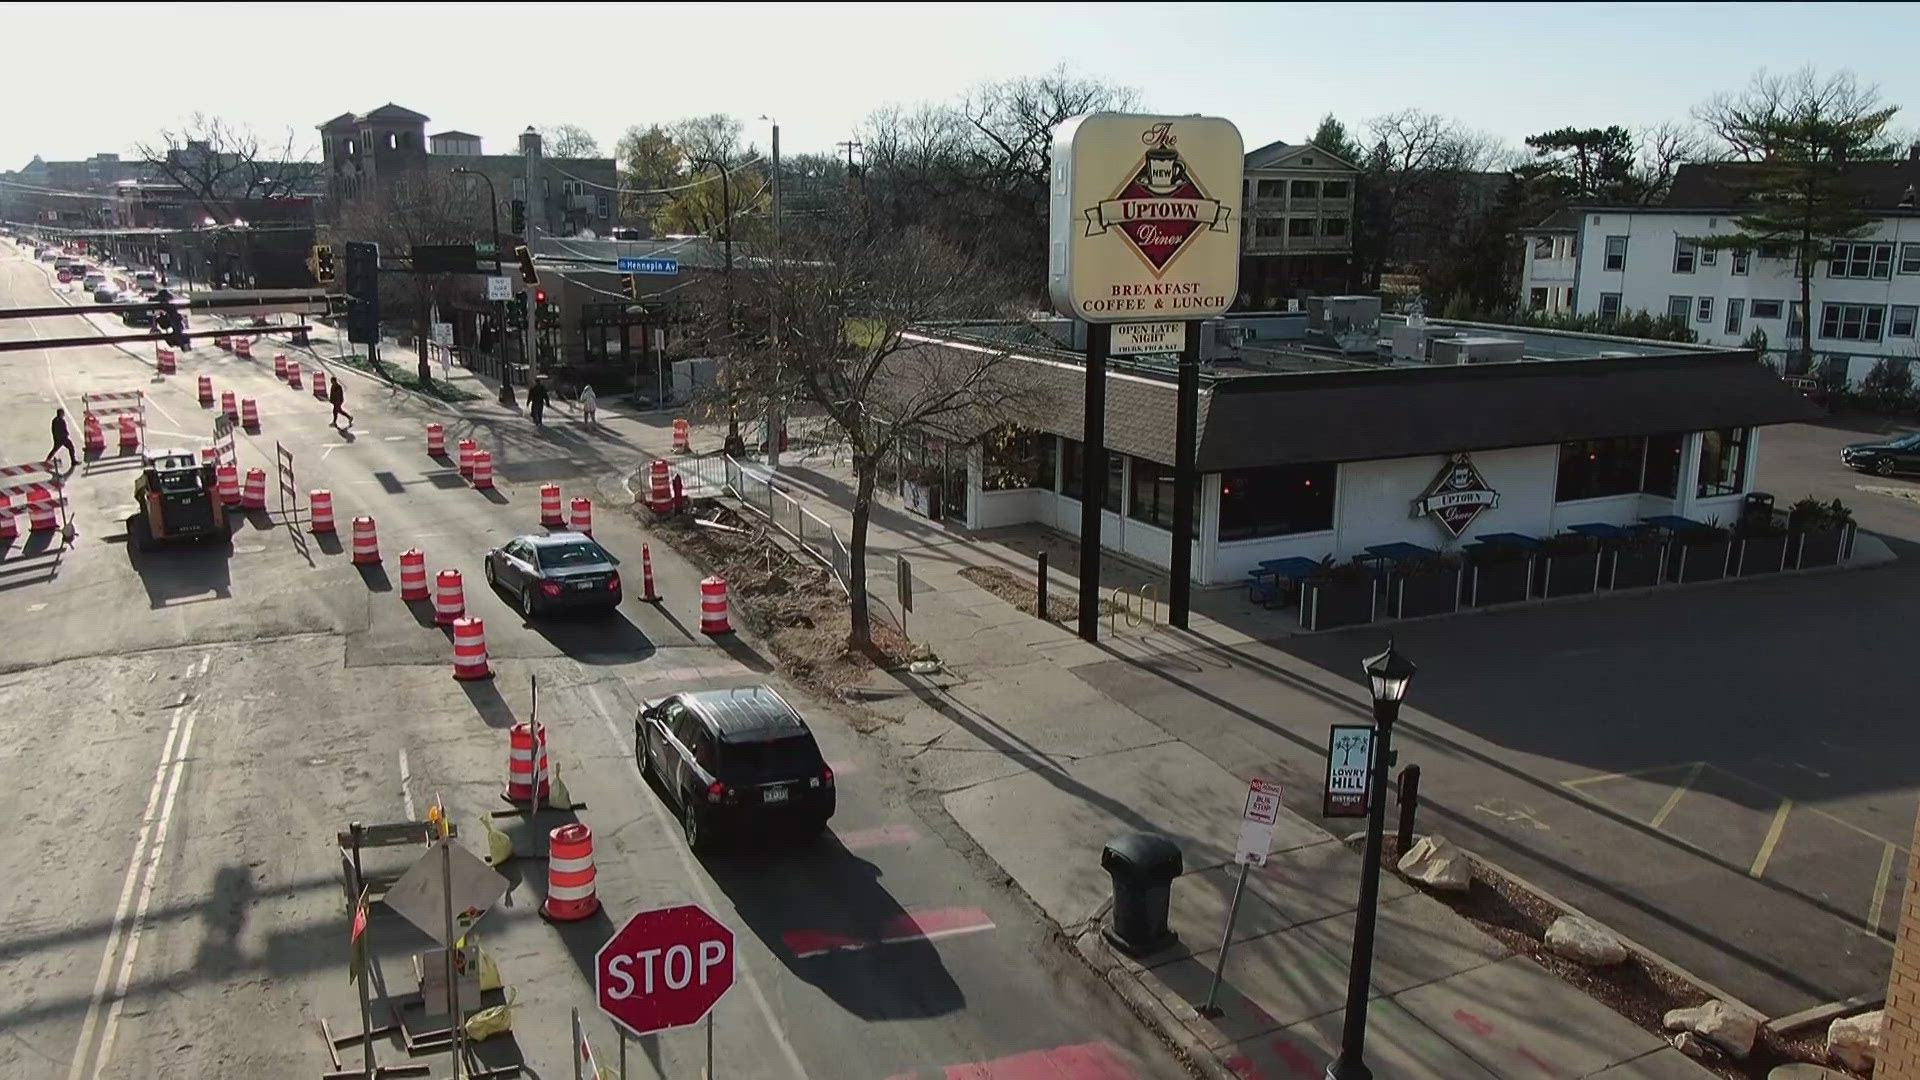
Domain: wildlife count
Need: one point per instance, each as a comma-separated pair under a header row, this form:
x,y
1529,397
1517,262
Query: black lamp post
x,y
1388,675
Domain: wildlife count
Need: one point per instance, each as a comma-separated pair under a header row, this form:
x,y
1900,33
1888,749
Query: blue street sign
x,y
634,265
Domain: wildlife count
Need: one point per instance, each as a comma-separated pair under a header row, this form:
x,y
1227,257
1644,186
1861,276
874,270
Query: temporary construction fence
x,y
754,487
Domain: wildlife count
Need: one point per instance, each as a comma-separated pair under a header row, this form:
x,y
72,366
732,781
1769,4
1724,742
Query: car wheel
x,y
526,600
643,754
493,576
698,839
1883,466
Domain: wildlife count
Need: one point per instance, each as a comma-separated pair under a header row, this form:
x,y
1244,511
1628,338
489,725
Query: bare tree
x,y
413,208
1415,177
568,141
1663,148
1741,120
845,307
222,166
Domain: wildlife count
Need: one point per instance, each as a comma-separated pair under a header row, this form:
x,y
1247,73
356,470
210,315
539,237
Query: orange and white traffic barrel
x,y
483,470
41,502
280,365
413,574
293,374
224,343
436,440
163,360
319,384
228,405
227,479
254,497
467,447
321,500
96,440
449,597
659,490
470,649
243,347
713,606
249,414
550,513
570,877
583,515
8,530
209,456
522,766
129,432
682,443
646,574
366,541
206,389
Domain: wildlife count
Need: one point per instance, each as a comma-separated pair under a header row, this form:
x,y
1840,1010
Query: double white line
x,y
136,894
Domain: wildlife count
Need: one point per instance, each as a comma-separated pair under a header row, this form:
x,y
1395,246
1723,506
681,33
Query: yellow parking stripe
x,y
1630,774
1878,907
1673,800
1773,837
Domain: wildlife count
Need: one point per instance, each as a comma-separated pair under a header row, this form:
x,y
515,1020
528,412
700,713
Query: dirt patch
x,y
1640,989
783,599
1022,593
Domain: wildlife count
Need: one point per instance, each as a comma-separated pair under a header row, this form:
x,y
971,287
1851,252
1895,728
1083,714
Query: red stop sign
x,y
64,277
665,969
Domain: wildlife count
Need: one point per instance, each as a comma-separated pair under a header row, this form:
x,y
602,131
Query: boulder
x,y
1585,941
1719,1023
1854,1041
1437,864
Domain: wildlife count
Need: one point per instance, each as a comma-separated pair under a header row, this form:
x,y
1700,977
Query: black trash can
x,y
1143,867
1756,508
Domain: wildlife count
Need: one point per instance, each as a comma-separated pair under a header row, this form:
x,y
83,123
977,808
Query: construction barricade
x,y
280,365
659,487
449,597
96,440
227,480
467,448
125,408
682,443
206,390
164,360
436,441
583,516
570,876
525,764
550,513
321,500
243,347
129,433
483,470
254,495
319,384
470,650
293,374
229,405
413,574
250,414
366,542
713,606
33,489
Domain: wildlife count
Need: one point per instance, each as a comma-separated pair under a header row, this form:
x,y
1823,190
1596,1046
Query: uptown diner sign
x,y
1456,496
1145,217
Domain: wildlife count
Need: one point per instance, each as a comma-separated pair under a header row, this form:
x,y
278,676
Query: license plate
x,y
582,586
773,794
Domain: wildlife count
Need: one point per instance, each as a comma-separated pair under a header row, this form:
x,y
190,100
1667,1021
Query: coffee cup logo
x,y
1456,496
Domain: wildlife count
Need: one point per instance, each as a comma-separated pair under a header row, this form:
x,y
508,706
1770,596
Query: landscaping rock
x,y
1436,863
1585,941
1719,1023
1693,1045
1854,1041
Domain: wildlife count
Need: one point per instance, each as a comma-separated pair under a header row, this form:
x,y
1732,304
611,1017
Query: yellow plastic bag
x,y
499,845
491,1021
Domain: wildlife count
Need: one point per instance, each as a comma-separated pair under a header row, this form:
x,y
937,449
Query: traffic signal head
x,y
363,270
323,269
540,296
527,272
633,287
519,217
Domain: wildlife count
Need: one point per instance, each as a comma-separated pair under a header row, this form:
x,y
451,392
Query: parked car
x,y
557,570
734,761
1898,454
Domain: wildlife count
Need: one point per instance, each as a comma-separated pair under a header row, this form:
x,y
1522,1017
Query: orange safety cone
x,y
449,597
280,365
228,405
682,443
413,574
228,481
321,500
366,542
95,438
319,385
255,495
522,768
483,470
659,492
223,343
583,516
293,374
436,441
646,574
470,650
713,606
249,414
550,514
129,433
570,877
206,389
467,447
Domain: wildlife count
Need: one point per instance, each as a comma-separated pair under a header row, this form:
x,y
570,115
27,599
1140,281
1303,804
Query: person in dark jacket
x,y
537,399
62,439
337,397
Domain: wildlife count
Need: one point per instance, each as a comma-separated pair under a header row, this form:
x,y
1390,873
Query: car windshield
x,y
1907,442
792,758
575,553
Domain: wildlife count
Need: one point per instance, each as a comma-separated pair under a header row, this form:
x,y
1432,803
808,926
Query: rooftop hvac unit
x,y
1347,323
1477,350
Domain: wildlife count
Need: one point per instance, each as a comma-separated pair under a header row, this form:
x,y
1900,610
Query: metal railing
x,y
754,487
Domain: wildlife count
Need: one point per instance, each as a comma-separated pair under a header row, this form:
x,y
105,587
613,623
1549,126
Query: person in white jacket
x,y
589,403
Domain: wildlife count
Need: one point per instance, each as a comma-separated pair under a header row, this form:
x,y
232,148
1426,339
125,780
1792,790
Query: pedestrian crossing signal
x,y
632,285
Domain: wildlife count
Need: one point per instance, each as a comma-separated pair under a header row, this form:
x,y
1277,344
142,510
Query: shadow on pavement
x,y
594,638
487,702
183,573
375,577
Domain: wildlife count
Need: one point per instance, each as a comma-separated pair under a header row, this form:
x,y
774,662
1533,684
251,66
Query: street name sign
x,y
629,264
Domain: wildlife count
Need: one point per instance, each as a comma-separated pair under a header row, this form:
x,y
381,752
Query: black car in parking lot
x,y
1898,454
734,762
554,571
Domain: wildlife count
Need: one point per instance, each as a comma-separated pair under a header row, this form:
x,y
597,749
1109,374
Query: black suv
x,y
734,761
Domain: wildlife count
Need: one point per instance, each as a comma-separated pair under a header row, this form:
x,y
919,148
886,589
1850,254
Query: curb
x,y
1793,1023
1094,950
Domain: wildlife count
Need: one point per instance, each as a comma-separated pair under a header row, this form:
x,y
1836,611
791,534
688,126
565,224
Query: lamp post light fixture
x,y
1388,676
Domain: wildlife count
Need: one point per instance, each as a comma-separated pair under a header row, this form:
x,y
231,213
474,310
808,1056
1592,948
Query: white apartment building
x,y
1866,294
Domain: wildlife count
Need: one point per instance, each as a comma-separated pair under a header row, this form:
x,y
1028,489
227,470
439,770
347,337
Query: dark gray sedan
x,y
555,571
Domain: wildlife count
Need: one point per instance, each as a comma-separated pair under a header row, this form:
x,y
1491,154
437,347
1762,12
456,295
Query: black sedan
x,y
555,571
1898,454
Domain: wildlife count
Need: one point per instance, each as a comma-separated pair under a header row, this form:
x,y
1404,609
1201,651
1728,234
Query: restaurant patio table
x,y
1293,567
1508,539
1399,551
1600,530
1673,522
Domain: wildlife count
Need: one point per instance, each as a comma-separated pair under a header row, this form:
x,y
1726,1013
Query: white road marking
x,y
406,789
396,438
154,826
36,607
692,870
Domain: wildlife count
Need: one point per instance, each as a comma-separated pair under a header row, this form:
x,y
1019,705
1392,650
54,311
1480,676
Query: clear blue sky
x,y
1274,69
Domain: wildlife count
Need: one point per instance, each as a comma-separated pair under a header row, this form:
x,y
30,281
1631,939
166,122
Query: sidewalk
x,y
1041,769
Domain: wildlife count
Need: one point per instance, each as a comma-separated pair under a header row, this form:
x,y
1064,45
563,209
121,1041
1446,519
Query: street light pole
x,y
776,418
726,279
1387,675
493,202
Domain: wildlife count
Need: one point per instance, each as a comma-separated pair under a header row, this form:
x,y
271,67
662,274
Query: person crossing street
x,y
337,397
589,404
62,440
537,399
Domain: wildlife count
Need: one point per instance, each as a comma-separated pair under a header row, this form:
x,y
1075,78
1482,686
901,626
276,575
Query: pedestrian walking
x,y
589,404
337,396
537,399
62,439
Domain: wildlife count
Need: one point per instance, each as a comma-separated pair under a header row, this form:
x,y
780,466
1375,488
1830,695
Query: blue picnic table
x,y
1509,539
1277,577
1673,522
1399,551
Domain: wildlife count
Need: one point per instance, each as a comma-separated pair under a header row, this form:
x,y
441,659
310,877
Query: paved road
x,y
194,726
1724,773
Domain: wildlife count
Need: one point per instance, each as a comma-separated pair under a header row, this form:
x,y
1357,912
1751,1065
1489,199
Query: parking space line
x,y
1628,775
1773,837
1878,907
1680,789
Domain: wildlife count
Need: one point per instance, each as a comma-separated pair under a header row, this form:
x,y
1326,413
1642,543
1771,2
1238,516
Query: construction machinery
x,y
177,501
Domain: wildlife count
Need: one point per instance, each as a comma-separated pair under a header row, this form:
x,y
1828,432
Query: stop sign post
x,y
664,969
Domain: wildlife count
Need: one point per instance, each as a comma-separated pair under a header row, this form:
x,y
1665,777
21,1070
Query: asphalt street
x,y
189,728
1721,773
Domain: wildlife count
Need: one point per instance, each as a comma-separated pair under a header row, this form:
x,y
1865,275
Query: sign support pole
x,y
623,1050
453,970
1226,936
708,1075
1093,476
574,1024
1186,412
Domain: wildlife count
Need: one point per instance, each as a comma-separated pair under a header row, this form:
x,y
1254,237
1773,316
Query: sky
x,y
124,72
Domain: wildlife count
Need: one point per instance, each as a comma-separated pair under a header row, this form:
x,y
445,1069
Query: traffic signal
x,y
632,285
323,263
363,321
168,320
527,272
363,271
519,217
517,312
546,315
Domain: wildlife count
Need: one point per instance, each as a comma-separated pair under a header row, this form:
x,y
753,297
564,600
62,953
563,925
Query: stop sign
x,y
665,969
64,277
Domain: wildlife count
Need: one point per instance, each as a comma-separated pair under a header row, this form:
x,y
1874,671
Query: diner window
x,y
1597,468
1278,500
1012,458
1151,500
1616,253
1300,226
1662,474
1072,454
1723,462
1306,189
1684,253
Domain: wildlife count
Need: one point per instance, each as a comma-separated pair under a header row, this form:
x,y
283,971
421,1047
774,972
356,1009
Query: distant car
x,y
555,571
94,281
146,281
732,761
63,262
106,294
1895,455
136,316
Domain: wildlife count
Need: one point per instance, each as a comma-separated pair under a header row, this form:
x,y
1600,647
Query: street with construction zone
x,y
295,695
